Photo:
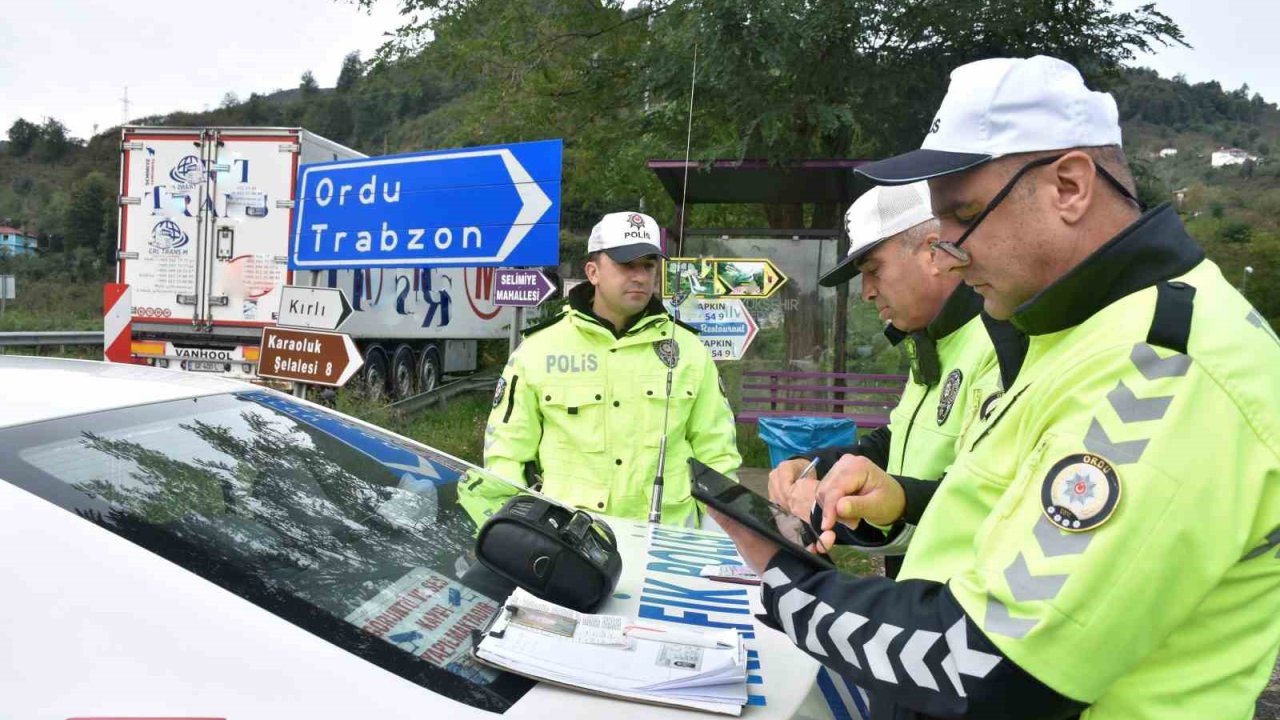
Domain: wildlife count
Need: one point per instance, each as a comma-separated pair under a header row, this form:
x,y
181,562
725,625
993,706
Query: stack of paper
x,y
607,654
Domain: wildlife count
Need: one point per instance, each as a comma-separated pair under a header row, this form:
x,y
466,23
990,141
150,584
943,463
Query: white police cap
x,y
879,214
626,236
1004,106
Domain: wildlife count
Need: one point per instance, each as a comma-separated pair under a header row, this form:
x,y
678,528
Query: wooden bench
x,y
864,398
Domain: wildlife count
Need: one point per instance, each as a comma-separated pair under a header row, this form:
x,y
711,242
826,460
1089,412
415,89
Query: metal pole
x,y
300,390
840,362
516,323
1244,279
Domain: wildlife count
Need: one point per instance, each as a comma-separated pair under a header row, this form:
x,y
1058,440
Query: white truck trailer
x,y
206,218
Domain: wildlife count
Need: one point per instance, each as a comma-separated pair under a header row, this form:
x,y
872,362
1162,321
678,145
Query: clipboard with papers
x,y
614,656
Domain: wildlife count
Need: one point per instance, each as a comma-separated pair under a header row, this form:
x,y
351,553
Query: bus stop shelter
x,y
758,182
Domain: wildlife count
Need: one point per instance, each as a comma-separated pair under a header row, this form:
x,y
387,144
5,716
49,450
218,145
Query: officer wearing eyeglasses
x,y
954,371
1107,544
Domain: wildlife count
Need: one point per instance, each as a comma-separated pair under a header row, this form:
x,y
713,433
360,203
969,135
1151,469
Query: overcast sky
x,y
71,59
1233,42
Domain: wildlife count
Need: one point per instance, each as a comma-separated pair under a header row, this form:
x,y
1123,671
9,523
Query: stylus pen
x,y
808,469
817,532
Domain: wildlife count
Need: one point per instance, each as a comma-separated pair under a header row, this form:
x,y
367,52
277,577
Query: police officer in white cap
x,y
1107,543
585,400
953,360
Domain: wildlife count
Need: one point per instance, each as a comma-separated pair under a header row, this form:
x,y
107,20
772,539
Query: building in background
x,y
15,242
1230,156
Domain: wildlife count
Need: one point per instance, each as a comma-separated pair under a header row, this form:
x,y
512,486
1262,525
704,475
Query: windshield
x,y
346,531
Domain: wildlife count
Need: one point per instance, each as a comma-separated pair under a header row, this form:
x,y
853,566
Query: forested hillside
x,y
1234,211
614,83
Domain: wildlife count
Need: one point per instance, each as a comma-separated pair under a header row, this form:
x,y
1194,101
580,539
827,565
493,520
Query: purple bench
x,y
865,399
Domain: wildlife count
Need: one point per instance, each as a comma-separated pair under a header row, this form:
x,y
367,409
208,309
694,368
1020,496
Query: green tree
x,y
1235,232
53,142
91,216
351,72
23,136
775,79
308,85
256,111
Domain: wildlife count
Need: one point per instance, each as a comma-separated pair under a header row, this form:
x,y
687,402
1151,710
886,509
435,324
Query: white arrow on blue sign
x,y
484,206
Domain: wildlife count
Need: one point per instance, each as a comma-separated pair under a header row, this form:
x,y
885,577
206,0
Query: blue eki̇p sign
x,y
482,206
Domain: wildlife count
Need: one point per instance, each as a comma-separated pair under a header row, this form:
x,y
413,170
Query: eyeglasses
x,y
962,256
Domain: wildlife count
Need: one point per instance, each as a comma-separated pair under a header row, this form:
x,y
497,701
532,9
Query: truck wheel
x,y
429,370
402,373
375,372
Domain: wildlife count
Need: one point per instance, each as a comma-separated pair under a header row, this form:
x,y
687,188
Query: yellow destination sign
x,y
748,278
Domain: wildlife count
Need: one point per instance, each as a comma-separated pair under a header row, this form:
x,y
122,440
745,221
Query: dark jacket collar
x,y
1155,247
583,296
961,306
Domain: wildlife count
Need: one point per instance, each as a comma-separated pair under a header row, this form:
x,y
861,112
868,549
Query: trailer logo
x,y
203,353
188,171
151,312
479,292
149,168
167,236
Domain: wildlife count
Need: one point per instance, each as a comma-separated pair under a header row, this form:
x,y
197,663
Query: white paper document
x,y
611,655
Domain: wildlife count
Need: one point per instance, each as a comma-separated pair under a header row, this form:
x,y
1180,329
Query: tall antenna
x,y
124,107
688,140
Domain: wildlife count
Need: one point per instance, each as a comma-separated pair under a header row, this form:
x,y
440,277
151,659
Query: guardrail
x,y
46,338
422,401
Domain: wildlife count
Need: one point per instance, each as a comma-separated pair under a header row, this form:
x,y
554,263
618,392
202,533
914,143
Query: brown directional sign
x,y
308,356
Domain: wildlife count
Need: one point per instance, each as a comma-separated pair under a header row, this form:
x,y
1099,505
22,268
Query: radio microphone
x,y
669,353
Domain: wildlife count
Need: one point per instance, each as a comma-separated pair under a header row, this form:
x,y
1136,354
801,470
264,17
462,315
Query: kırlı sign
x,y
318,308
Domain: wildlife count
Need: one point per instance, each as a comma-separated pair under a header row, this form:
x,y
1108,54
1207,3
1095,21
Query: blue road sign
x,y
495,205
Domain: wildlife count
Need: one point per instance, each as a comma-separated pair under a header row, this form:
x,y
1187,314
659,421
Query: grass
x,y
455,426
75,352
49,304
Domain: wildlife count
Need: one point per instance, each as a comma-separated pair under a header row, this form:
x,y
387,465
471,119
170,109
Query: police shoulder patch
x,y
947,397
668,352
499,391
1080,492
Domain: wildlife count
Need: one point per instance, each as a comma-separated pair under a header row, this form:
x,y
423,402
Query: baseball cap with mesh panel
x,y
878,215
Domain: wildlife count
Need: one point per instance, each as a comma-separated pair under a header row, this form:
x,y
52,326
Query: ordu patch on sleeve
x,y
1080,492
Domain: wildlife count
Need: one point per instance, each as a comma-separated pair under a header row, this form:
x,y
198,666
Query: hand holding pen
x,y
793,485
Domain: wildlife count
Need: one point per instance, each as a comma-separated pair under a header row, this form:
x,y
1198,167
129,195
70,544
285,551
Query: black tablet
x,y
791,533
